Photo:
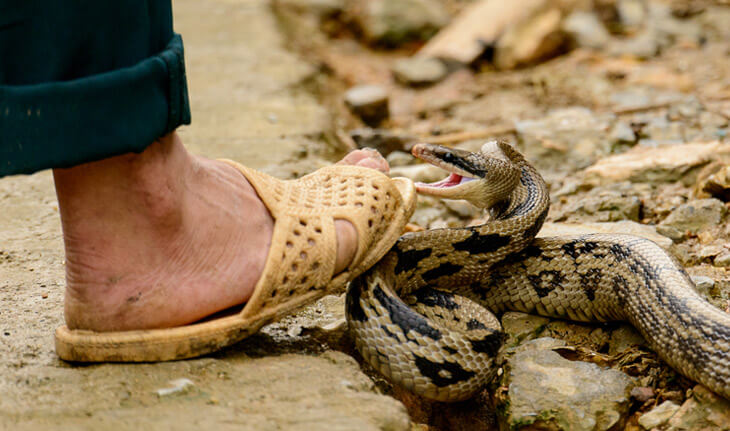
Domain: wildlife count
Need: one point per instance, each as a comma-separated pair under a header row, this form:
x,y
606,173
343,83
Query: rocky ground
x,y
623,104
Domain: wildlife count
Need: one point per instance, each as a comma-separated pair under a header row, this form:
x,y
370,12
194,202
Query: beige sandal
x,y
298,270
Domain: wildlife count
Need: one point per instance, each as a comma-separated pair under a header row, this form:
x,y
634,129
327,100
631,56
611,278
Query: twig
x,y
644,108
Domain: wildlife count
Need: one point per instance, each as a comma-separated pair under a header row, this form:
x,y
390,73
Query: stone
x,y
702,411
710,251
462,208
477,26
703,284
578,334
623,226
688,109
658,415
660,77
586,30
643,45
383,140
530,41
604,206
399,158
692,217
671,30
644,95
722,260
660,131
369,102
428,216
392,22
624,337
323,321
712,120
419,71
565,138
718,184
622,133
177,386
656,165
642,393
631,13
522,326
547,391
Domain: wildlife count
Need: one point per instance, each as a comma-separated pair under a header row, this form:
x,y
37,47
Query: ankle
x,y
147,185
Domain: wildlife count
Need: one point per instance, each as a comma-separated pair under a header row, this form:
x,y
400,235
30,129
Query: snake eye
x,y
449,158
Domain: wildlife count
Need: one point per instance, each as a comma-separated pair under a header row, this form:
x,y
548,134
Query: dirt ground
x,y
266,89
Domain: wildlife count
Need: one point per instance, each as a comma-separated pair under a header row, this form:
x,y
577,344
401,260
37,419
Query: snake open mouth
x,y
452,180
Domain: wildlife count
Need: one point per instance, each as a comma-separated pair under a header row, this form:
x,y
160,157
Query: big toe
x,y
366,158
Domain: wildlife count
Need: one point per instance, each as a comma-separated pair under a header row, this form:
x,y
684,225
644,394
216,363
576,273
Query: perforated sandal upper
x,y
303,251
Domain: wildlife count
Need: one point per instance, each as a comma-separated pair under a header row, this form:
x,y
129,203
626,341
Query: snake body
x,y
420,315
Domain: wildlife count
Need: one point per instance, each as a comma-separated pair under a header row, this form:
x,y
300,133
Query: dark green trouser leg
x,y
82,80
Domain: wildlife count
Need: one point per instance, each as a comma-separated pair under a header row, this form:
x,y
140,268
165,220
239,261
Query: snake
x,y
424,315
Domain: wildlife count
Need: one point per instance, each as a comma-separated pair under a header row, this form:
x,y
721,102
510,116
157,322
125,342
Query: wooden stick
x,y
644,108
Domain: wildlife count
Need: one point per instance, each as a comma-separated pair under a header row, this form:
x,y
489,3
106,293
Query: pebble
x,y
723,260
586,29
392,22
622,133
658,415
642,393
178,386
660,131
689,109
670,30
631,13
419,71
643,45
710,251
462,208
718,184
399,158
425,216
703,284
711,120
369,102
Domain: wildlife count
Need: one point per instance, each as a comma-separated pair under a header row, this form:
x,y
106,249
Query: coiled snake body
x,y
418,316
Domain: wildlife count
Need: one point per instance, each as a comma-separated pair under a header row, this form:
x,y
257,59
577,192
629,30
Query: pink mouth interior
x,y
450,181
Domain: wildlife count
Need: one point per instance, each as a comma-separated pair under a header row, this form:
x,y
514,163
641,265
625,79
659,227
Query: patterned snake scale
x,y
419,316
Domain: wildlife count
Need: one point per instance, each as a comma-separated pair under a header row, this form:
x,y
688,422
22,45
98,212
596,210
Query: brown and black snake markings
x,y
421,315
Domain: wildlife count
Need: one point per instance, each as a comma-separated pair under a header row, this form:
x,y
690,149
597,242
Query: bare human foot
x,y
164,238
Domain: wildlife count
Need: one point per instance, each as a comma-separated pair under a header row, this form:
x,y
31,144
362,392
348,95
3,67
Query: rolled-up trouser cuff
x,y
62,124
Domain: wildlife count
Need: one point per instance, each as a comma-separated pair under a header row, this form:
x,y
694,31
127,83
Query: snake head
x,y
483,178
